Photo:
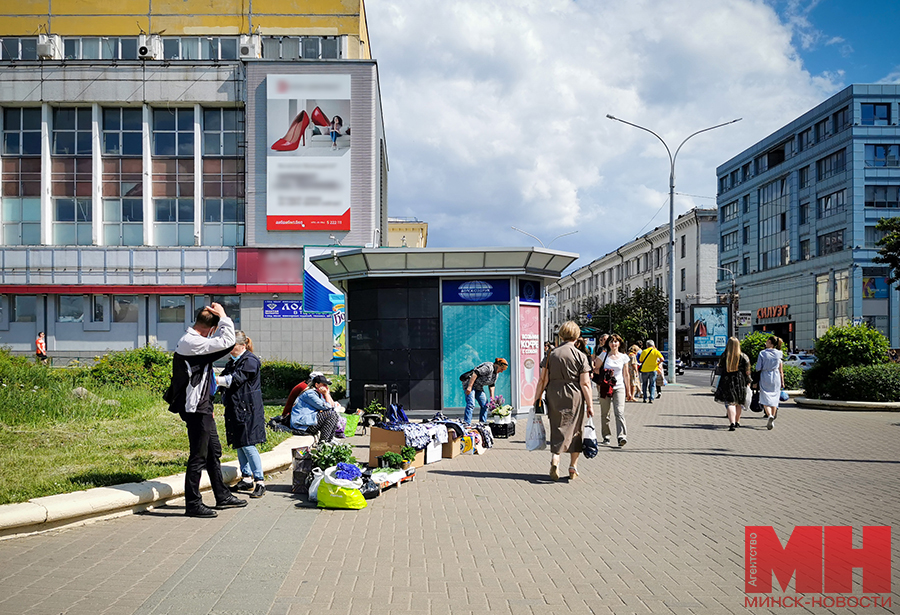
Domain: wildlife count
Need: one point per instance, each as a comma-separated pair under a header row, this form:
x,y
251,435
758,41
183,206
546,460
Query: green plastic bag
x,y
352,422
332,496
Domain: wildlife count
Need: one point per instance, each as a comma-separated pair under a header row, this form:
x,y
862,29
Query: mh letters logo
x,y
823,559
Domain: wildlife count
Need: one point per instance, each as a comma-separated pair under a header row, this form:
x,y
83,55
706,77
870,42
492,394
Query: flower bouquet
x,y
499,410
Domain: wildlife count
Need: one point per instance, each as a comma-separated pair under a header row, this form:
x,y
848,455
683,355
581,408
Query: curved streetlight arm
x,y
695,134
559,236
661,140
535,237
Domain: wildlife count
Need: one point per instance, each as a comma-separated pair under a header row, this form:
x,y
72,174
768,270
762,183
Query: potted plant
x,y
408,454
499,410
392,460
326,455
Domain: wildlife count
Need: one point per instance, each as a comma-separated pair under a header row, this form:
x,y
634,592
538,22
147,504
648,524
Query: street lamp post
x,y
672,227
538,239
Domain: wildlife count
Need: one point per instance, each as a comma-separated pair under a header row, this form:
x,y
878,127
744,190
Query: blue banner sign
x,y
476,291
287,309
529,291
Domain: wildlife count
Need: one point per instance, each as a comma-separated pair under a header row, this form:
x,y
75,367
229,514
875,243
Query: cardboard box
x,y
383,441
433,452
457,446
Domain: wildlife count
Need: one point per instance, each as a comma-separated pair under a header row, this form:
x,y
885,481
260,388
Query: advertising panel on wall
x,y
529,352
709,330
475,291
317,289
308,143
338,329
471,335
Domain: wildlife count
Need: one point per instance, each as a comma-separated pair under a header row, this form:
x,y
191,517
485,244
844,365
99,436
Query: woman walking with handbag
x,y
566,377
634,372
734,366
611,376
771,378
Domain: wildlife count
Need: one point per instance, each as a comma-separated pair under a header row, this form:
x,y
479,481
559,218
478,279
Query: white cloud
x,y
495,111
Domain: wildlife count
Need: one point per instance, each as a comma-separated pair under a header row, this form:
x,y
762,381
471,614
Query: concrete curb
x,y
836,404
54,511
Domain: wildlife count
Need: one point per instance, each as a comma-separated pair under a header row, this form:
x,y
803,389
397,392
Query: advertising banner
x,y
529,352
475,291
339,334
316,286
529,291
709,330
875,288
308,144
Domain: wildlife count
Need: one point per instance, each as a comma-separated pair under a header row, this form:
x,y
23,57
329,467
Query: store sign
x,y
709,329
529,352
475,291
287,309
773,311
308,172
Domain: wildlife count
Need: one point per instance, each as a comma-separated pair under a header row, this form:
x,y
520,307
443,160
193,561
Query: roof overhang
x,y
358,263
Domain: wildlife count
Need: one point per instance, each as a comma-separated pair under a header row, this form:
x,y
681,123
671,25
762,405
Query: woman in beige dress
x,y
566,376
634,370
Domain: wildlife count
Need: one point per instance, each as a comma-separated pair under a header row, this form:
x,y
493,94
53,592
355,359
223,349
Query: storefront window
x,y
125,308
171,309
232,305
24,308
70,308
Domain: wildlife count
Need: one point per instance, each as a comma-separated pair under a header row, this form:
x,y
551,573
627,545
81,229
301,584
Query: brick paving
x,y
655,527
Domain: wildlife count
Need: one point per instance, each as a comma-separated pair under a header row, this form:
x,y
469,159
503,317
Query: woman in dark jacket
x,y
245,420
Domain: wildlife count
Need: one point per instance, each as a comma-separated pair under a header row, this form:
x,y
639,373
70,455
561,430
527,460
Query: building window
x,y
175,222
13,48
873,236
882,155
172,309
732,267
729,211
122,132
745,172
72,222
123,222
99,307
831,164
232,306
821,130
682,246
745,267
21,221
823,303
173,132
804,177
804,139
199,48
683,279
70,308
774,201
831,204
23,308
22,131
745,201
841,298
804,250
222,130
745,238
105,48
724,184
804,212
72,131
831,242
125,308
883,196
729,241
876,114
841,120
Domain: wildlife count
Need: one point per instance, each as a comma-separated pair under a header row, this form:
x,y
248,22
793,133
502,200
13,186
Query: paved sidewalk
x,y
655,527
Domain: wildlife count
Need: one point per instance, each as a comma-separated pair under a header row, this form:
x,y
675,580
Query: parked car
x,y
679,367
803,361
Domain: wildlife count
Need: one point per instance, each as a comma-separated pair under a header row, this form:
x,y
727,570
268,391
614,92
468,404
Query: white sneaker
x,y
770,423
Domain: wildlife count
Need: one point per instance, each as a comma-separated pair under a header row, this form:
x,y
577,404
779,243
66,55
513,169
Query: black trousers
x,y
206,451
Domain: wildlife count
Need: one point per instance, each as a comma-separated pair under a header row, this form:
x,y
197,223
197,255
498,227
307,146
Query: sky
x,y
495,110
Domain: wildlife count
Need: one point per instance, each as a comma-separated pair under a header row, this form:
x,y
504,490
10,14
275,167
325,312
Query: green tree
x,y
889,250
753,344
639,316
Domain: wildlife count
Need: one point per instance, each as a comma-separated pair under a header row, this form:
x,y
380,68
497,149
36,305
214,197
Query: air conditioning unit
x,y
49,47
149,47
250,48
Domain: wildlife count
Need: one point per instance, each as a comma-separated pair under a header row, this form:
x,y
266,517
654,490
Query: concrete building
x,y
797,216
643,263
160,155
407,232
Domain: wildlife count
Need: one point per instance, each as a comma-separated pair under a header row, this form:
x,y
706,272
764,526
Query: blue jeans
x,y
648,381
251,462
470,405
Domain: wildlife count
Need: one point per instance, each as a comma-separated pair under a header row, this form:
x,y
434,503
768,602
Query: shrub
x,y
753,344
814,381
279,377
851,345
865,383
793,377
338,387
148,367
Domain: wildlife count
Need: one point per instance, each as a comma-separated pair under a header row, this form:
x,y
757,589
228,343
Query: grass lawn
x,y
71,445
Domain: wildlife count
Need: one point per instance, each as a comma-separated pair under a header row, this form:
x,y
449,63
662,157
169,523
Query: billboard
x,y
529,352
317,288
308,152
875,287
709,330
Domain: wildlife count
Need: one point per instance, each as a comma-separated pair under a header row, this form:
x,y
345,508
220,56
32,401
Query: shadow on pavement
x,y
163,511
531,478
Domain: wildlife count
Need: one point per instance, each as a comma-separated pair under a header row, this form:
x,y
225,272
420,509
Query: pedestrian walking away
x,y
567,380
734,366
616,361
245,419
649,361
190,396
771,378
474,381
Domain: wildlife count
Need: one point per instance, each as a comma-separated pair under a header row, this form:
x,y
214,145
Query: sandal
x,y
554,471
573,472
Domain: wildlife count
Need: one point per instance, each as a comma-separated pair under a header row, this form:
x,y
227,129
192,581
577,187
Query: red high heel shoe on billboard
x,y
295,134
319,118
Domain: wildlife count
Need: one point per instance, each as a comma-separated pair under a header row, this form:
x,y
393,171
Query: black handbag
x,y
605,380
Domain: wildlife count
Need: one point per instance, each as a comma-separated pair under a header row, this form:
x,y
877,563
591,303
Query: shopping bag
x,y
313,492
352,423
535,436
754,403
332,479
333,496
784,396
589,442
301,469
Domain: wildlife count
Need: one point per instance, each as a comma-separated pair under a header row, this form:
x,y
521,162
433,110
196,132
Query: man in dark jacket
x,y
190,395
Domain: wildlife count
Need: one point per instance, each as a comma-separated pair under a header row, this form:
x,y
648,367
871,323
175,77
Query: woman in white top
x,y
771,378
614,360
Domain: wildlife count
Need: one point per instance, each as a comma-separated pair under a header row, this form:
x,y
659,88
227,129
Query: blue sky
x,y
495,110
